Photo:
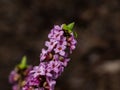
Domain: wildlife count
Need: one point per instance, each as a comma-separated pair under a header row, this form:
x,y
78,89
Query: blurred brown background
x,y
95,64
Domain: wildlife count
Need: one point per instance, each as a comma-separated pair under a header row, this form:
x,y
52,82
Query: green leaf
x,y
65,27
71,25
75,34
68,27
23,63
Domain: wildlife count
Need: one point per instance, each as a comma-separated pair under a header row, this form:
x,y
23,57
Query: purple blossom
x,y
72,43
43,54
61,46
55,68
31,82
38,70
50,44
51,83
65,61
60,49
13,77
56,33
63,41
16,87
17,77
39,83
57,27
53,60
53,31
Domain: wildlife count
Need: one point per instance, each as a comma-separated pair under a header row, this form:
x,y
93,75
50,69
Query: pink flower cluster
x,y
53,59
17,77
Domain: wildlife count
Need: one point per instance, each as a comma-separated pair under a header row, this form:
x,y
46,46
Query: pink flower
x,y
72,43
50,44
60,49
38,70
52,61
43,54
51,83
57,34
